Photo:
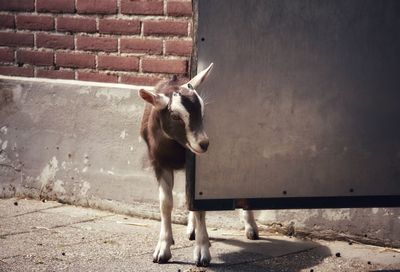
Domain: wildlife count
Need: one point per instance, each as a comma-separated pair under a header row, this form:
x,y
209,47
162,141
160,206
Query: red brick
x,y
97,44
60,74
35,57
55,41
118,63
164,66
33,22
180,48
165,28
6,55
114,26
16,71
146,7
179,8
7,21
140,80
99,77
148,46
55,6
97,6
17,5
74,24
75,60
16,39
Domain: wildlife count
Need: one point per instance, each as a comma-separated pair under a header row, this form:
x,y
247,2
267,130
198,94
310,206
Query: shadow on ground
x,y
267,254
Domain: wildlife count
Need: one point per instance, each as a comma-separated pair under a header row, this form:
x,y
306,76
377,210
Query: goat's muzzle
x,y
204,144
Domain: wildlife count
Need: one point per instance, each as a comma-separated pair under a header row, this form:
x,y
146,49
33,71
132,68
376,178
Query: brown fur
x,y
164,153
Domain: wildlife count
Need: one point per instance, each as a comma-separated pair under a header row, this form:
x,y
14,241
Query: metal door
x,y
304,105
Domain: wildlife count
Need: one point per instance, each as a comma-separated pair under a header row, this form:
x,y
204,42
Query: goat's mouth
x,y
195,151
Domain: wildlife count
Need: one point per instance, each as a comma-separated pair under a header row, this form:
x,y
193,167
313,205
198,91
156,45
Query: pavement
x,y
49,236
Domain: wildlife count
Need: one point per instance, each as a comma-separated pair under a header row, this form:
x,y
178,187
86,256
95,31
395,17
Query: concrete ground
x,y
49,236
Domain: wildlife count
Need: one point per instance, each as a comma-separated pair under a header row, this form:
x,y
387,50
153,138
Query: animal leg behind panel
x,y
201,252
250,225
165,184
191,226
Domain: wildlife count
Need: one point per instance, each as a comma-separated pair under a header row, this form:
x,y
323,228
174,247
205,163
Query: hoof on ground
x,y
202,257
203,263
251,234
161,256
161,259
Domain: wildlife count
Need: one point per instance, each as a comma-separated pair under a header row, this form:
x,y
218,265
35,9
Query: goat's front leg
x,y
201,252
165,184
250,225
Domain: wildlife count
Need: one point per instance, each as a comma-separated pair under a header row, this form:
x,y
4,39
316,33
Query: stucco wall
x,y
79,143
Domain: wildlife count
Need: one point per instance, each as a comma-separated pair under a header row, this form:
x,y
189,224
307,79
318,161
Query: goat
x,y
173,122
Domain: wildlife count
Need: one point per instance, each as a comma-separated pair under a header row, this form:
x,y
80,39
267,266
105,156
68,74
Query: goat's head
x,y
181,112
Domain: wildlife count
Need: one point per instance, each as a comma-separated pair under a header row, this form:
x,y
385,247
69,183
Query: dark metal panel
x,y
304,102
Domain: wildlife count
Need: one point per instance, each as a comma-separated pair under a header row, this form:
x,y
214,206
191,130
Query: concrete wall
x,y
380,226
76,143
79,143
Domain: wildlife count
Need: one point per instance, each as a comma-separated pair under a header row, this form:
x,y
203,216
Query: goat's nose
x,y
204,144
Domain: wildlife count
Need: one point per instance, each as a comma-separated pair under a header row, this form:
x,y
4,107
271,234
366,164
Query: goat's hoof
x,y
161,255
202,256
203,263
252,234
161,258
192,236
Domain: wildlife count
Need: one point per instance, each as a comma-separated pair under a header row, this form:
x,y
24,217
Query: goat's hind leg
x,y
165,184
250,225
191,226
201,252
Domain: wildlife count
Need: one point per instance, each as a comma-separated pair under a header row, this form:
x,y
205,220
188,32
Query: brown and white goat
x,y
173,122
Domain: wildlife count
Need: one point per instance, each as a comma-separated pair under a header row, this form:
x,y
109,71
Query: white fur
x,y
176,106
191,226
201,253
163,249
250,225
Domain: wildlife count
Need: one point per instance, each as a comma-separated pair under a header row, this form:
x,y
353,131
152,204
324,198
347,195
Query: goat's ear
x,y
159,101
147,96
199,78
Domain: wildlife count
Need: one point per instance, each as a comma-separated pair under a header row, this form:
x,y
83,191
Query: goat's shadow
x,y
266,254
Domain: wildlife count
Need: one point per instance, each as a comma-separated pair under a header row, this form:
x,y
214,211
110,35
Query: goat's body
x,y
173,122
164,153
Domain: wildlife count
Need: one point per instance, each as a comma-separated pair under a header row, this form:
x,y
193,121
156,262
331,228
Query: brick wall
x,y
127,41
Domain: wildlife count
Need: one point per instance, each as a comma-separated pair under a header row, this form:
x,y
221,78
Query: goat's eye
x,y
175,116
